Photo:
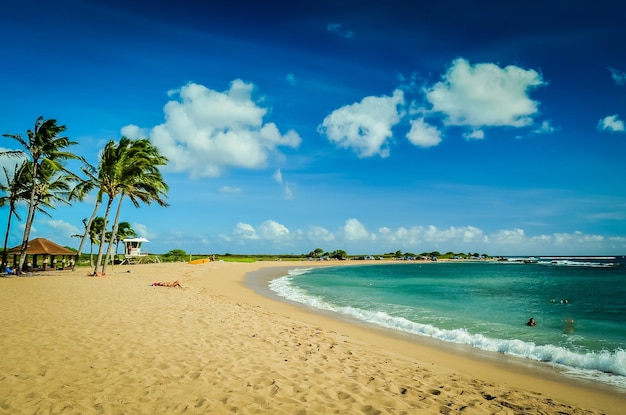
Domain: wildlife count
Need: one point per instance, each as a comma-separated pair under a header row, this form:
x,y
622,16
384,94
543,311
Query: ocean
x,y
579,306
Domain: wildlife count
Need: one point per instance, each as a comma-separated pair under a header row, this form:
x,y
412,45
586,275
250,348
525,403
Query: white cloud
x,y
278,176
422,134
474,135
422,235
291,79
338,30
133,131
618,76
506,237
206,131
318,233
364,127
230,189
62,228
611,123
545,128
143,231
245,231
289,191
354,230
274,231
485,94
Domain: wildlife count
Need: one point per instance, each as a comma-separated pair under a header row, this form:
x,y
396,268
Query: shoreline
x,y
495,367
117,344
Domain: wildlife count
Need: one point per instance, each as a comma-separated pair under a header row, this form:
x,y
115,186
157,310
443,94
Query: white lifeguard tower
x,y
132,250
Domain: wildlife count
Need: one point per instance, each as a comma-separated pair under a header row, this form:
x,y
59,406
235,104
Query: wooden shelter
x,y
48,251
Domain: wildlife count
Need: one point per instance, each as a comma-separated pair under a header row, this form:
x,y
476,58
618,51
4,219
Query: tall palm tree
x,y
109,170
82,189
16,190
140,179
43,145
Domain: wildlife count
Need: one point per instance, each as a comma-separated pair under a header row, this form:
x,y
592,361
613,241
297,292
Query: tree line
x,y
126,169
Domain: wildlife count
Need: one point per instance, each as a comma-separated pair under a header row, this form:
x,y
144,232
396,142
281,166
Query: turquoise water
x,y
486,305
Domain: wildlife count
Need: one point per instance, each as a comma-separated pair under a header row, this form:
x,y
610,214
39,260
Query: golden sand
x,y
72,344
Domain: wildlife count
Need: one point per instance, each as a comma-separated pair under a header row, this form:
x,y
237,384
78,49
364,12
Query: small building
x,y
44,255
132,250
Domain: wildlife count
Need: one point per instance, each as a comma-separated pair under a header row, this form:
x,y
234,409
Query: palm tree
x,y
92,230
16,190
109,167
140,179
82,189
129,168
43,146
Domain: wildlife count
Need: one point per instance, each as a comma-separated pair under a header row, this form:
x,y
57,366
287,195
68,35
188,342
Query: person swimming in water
x,y
531,322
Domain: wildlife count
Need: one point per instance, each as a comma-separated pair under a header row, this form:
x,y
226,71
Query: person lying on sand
x,y
167,284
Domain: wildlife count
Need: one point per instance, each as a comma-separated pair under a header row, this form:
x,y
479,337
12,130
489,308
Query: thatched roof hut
x,y
42,246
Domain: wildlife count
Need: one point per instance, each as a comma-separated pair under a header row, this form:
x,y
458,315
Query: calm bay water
x,y
486,305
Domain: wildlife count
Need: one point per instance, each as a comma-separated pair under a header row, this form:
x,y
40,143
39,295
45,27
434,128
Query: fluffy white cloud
x,y
420,235
474,135
274,231
364,127
354,230
422,134
206,131
509,236
317,233
133,131
485,94
245,231
611,123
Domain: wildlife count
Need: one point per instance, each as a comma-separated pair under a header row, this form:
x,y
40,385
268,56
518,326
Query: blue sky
x,y
365,126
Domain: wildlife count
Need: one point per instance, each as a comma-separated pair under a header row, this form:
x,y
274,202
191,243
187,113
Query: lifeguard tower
x,y
132,250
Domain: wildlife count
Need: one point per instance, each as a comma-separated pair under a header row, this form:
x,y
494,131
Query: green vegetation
x,y
126,169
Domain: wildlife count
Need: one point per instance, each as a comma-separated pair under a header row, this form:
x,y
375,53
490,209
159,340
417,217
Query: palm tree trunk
x,y
27,226
85,235
102,236
6,241
113,232
29,220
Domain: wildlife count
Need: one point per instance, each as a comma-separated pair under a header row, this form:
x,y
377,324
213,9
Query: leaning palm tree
x,y
43,145
80,191
16,190
112,158
140,180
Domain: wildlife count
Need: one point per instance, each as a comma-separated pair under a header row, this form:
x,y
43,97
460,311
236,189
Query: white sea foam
x,y
605,366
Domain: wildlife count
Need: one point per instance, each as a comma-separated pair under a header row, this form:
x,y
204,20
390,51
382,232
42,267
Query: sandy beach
x,y
73,344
